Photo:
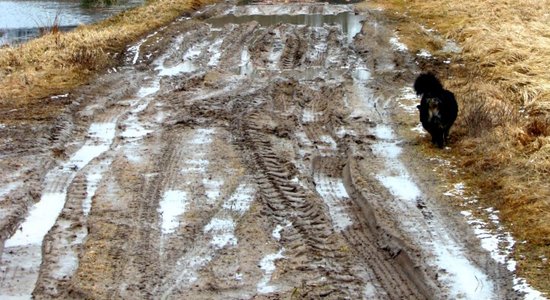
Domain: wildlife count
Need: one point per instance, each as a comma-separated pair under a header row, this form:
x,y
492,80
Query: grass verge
x,y
500,76
59,62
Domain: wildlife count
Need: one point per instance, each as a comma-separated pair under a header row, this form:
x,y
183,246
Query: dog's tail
x,y
427,83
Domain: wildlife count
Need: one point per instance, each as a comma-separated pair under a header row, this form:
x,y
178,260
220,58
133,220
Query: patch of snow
x,y
369,291
241,199
499,243
212,188
171,207
60,96
215,53
457,190
342,132
465,280
397,45
334,194
41,218
203,136
222,231
451,47
383,132
246,65
327,139
401,187
267,264
276,233
424,54
308,116
419,128
276,52
361,74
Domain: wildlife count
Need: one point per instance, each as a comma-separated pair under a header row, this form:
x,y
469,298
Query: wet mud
x,y
243,152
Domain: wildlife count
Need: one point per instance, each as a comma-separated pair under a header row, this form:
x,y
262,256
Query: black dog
x,y
438,107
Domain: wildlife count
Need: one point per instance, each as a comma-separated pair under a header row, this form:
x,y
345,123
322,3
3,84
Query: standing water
x,y
23,20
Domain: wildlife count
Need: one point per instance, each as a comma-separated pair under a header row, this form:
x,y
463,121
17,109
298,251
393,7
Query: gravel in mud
x,y
246,152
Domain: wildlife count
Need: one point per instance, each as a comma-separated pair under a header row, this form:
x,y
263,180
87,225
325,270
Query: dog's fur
x,y
438,107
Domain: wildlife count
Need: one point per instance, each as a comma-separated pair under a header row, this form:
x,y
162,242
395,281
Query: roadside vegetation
x,y
501,78
97,3
58,62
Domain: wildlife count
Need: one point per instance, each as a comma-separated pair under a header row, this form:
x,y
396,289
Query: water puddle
x,y
350,22
23,20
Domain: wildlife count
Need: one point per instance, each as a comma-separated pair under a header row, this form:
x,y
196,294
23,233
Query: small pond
x,y
23,20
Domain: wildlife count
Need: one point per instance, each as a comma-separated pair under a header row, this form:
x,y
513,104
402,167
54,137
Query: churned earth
x,y
248,151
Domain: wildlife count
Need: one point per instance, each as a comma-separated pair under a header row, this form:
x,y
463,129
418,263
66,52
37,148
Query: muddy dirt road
x,y
243,152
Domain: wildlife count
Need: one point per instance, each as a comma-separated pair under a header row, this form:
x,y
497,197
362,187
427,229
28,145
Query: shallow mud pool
x,y
246,152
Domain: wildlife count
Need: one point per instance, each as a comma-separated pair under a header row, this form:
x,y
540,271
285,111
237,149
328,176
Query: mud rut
x,y
231,164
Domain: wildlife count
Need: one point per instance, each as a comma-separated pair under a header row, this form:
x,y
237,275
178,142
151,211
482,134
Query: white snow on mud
x,y
335,195
172,206
267,264
464,279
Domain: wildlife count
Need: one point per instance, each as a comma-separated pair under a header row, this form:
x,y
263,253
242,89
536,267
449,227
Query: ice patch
x,y
408,100
451,47
276,52
55,97
222,231
134,130
171,207
267,264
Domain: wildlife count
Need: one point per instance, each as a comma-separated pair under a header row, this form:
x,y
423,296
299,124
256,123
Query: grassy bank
x,y
501,78
59,62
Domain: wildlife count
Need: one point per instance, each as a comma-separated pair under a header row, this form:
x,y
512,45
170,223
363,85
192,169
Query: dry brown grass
x,y
502,81
58,62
